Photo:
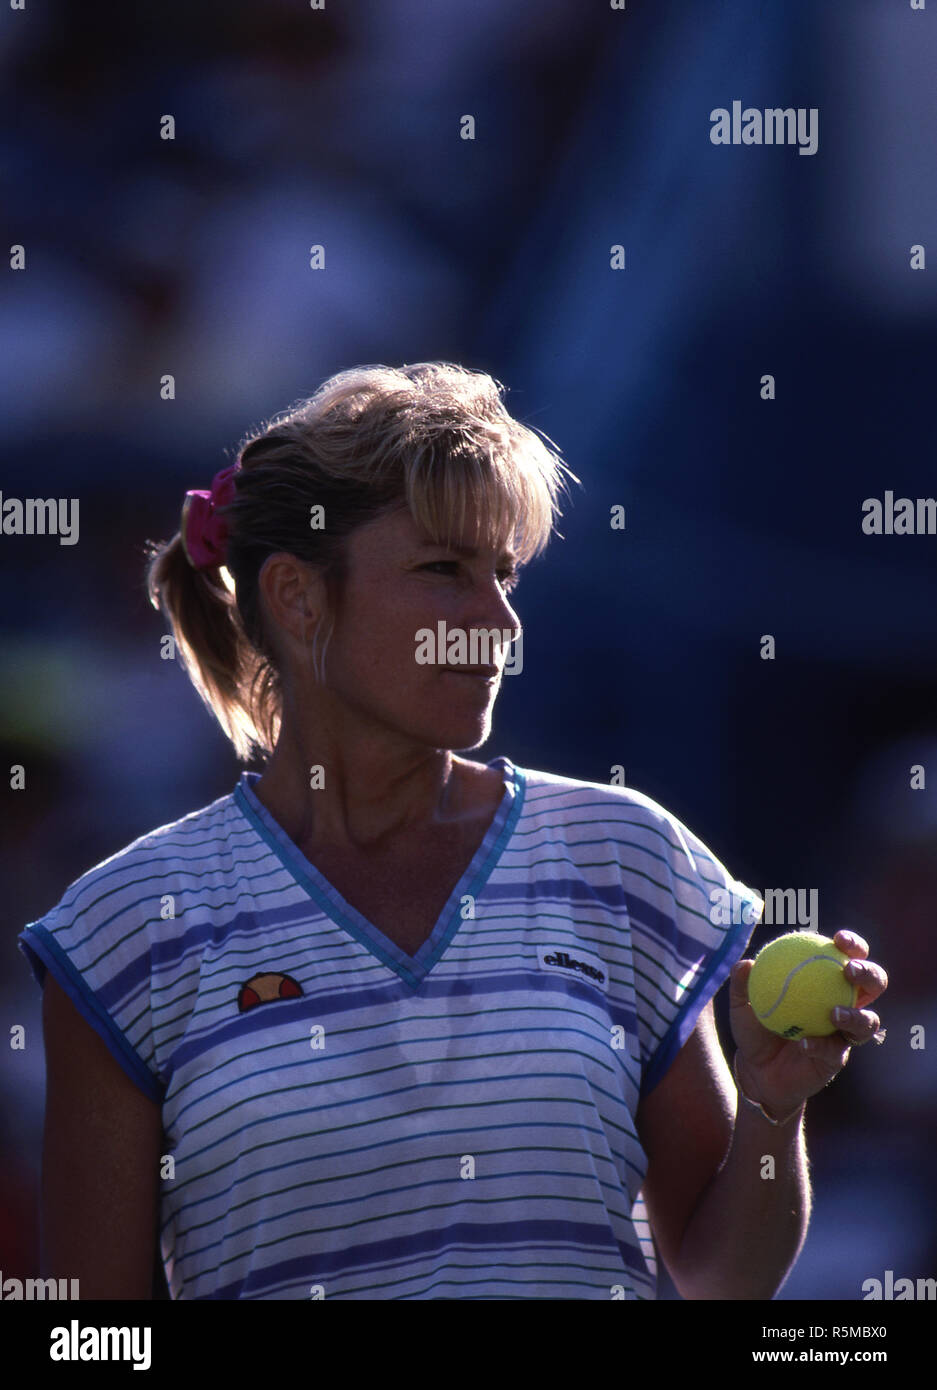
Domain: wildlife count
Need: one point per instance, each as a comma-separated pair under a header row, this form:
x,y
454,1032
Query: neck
x,y
358,794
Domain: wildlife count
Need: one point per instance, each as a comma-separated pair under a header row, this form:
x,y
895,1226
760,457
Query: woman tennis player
x,y
386,1022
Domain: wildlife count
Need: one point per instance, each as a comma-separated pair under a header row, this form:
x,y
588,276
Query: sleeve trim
x,y
44,953
708,985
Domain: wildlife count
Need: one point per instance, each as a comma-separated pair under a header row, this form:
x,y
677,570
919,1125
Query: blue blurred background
x,y
341,127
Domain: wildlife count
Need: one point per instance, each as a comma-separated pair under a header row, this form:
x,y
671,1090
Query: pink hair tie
x,y
204,533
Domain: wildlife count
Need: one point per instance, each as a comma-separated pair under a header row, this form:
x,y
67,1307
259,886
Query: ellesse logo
x,y
573,964
265,987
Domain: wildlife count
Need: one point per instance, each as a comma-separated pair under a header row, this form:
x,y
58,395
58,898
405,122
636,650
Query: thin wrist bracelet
x,y
757,1104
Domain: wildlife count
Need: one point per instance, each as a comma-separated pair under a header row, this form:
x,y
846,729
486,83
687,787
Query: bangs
x,y
503,500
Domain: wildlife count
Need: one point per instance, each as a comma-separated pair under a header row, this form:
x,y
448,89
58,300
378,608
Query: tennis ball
x,y
796,981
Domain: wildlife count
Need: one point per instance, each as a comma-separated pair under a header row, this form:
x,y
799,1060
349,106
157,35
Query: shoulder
x,y
145,867
567,800
662,858
123,942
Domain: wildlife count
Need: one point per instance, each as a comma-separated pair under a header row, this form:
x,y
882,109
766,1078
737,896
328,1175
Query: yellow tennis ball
x,y
796,981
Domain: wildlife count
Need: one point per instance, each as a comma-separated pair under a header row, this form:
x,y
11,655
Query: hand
x,y
779,1072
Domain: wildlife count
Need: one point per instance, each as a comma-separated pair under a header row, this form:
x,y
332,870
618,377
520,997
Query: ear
x,y
293,598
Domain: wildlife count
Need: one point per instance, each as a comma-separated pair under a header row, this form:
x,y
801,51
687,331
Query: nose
x,y
494,611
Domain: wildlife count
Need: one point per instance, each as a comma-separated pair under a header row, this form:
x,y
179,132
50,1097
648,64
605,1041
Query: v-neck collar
x,y
411,969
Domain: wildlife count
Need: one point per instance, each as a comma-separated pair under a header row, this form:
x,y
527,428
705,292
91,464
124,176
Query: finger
x,y
856,1025
871,980
851,944
831,1052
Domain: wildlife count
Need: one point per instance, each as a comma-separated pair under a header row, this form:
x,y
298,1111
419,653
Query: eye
x,y
508,577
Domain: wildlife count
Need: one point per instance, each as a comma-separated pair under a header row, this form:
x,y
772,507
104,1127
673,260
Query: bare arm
x,y
722,1229
100,1163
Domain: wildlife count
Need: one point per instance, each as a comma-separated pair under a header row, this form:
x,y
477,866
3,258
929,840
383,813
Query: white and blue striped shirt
x,y
360,1123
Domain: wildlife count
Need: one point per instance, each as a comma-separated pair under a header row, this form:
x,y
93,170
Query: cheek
x,y
376,636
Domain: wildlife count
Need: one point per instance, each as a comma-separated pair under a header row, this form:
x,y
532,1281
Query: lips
x,y
486,672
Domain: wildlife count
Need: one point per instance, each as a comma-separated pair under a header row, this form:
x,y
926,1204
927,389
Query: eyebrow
x,y
466,552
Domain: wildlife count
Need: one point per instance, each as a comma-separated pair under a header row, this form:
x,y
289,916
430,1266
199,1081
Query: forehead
x,y
398,535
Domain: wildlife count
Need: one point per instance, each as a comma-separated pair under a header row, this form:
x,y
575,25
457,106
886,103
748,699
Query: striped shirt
x,y
347,1121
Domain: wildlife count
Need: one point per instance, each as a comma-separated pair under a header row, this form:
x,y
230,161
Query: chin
x,y
458,735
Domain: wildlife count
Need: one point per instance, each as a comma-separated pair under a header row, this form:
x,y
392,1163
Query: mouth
x,y
485,673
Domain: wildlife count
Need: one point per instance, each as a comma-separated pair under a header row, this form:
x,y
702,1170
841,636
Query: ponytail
x,y
237,683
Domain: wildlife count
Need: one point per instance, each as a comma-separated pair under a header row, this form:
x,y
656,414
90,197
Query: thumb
x,y
756,1042
738,983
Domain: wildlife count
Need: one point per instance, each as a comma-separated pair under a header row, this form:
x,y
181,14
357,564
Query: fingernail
x,y
840,1015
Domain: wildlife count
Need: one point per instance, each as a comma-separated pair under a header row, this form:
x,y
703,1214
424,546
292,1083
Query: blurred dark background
x,y
341,127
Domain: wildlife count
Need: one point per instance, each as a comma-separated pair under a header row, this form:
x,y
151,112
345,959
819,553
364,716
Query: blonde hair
x,y
434,437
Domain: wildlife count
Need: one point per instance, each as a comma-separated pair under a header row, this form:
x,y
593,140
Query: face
x,y
387,659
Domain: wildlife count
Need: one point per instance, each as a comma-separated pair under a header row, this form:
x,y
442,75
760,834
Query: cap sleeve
x,y
686,934
97,948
